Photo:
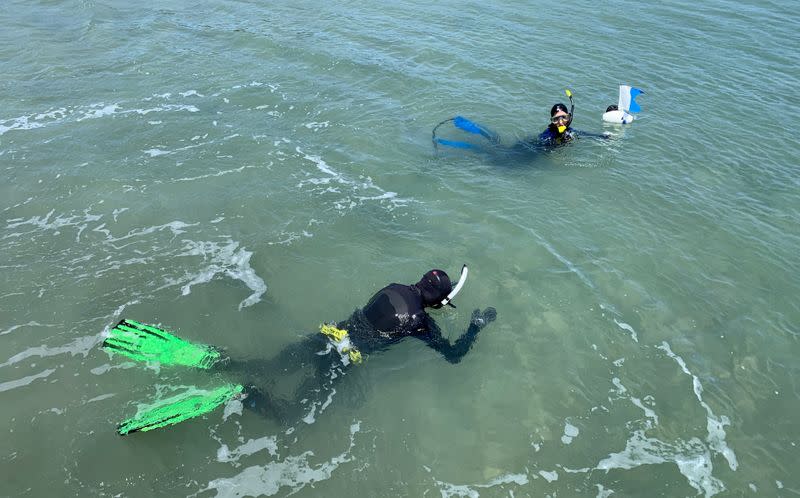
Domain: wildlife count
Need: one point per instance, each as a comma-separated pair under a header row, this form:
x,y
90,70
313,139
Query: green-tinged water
x,y
240,172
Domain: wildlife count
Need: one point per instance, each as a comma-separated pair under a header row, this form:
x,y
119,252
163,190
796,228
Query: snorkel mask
x,y
561,123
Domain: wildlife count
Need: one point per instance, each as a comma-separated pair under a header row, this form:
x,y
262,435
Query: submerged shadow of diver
x,y
299,382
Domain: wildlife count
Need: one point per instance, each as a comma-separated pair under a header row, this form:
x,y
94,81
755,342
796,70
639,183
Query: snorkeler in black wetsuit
x,y
559,131
393,313
398,311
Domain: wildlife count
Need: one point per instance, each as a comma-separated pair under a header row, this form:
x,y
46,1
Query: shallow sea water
x,y
240,172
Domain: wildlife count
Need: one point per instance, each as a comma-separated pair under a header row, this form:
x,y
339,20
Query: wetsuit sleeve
x,y
451,352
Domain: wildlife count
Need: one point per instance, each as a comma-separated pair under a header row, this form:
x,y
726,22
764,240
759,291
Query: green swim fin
x,y
178,408
147,343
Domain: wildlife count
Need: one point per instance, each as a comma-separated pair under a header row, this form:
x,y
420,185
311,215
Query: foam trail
x,y
570,266
628,328
13,384
20,123
83,113
229,260
650,414
81,345
29,324
294,472
360,185
692,458
252,446
715,425
449,490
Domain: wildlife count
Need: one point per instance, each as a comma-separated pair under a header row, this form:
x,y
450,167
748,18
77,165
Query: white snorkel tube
x,y
462,279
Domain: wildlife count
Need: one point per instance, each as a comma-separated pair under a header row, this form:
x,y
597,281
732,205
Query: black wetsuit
x,y
551,137
394,312
397,311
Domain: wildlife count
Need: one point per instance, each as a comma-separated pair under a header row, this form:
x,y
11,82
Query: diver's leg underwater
x,y
147,343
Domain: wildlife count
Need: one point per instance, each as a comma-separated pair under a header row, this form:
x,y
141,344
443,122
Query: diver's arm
x,y
454,352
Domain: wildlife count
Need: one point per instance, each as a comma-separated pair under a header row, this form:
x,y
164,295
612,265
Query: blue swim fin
x,y
473,127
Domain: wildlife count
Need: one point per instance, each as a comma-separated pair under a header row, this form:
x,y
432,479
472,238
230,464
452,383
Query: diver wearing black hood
x,y
393,313
398,311
559,130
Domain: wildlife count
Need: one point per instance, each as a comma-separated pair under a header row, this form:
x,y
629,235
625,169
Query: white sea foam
x,y
215,174
156,152
108,367
335,181
603,492
449,490
26,201
98,111
161,108
317,126
649,413
224,259
176,227
20,123
83,113
570,432
251,447
82,345
321,165
692,458
29,324
566,262
549,476
714,425
628,328
101,397
46,223
234,406
294,472
310,417
13,384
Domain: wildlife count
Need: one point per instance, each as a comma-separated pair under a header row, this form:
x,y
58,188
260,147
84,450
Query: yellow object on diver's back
x,y
332,332
341,340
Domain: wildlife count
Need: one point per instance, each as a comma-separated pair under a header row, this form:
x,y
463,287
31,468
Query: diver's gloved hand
x,y
482,319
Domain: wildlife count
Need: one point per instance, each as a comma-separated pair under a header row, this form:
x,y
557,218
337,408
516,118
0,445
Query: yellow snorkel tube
x,y
562,128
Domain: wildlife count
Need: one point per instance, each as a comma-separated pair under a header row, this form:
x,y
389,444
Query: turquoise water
x,y
240,172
